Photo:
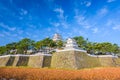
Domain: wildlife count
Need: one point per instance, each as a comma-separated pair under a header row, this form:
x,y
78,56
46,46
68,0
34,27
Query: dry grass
x,y
57,74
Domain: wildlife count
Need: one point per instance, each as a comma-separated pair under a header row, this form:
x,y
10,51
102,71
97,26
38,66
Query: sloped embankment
x,y
78,60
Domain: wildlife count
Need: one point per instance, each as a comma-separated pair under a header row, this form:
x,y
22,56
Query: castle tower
x,y
57,37
71,44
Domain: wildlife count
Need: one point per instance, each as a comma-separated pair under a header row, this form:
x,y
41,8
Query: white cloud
x,y
57,30
12,28
82,33
56,24
20,37
7,33
81,20
88,4
48,29
11,1
28,33
65,25
32,26
109,23
62,19
117,27
2,35
60,11
7,27
20,31
14,35
103,11
95,30
109,1
35,36
23,12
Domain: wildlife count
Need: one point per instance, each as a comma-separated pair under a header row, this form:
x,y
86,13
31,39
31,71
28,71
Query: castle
x,y
71,57
57,37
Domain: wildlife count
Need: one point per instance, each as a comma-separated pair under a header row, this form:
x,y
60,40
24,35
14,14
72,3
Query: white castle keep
x,y
57,37
71,44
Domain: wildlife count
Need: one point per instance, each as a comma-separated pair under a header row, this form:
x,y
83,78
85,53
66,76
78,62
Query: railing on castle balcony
x,y
46,50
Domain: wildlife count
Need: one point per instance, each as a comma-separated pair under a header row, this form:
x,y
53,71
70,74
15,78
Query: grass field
x,y
59,74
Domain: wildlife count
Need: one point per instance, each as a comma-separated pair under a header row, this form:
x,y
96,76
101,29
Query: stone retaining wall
x,y
37,61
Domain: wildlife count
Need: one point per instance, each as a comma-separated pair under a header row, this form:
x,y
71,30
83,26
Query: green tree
x,y
3,50
38,44
81,41
11,46
116,48
24,44
59,44
47,42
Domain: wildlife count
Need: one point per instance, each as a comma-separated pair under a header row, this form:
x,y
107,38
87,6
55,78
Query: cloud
x,y
11,1
61,12
20,31
109,1
103,11
2,35
114,24
56,24
32,26
86,3
109,23
117,27
95,30
81,20
23,12
12,28
65,24
28,33
49,29
14,35
62,18
7,27
7,33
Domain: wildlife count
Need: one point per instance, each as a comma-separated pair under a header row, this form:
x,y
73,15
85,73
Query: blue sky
x,y
97,20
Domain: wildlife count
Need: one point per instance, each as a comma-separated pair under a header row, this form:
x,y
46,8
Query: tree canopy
x,y
23,45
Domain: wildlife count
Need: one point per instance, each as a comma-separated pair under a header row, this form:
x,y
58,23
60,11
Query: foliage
x,y
92,47
3,50
96,48
24,44
104,47
81,41
47,42
59,44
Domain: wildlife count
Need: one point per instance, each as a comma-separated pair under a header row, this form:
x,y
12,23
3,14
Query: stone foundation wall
x,y
64,60
78,60
37,61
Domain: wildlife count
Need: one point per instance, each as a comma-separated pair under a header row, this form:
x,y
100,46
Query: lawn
x,y
108,73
